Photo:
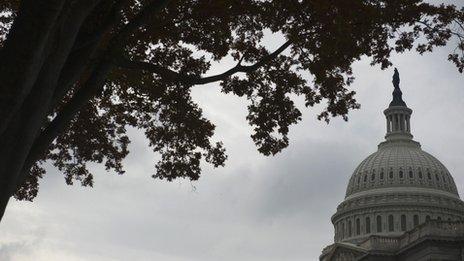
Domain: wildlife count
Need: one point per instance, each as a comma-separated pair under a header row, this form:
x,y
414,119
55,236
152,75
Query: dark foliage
x,y
133,63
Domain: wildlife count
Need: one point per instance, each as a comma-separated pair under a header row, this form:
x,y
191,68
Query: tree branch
x,y
88,90
174,76
91,87
82,53
458,35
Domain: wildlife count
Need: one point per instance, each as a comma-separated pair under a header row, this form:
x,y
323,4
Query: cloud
x,y
9,250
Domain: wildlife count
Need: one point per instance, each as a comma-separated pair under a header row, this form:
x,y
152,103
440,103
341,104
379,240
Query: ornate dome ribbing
x,y
397,165
397,187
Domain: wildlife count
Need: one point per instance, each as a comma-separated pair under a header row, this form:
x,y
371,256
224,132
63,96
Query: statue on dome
x,y
396,79
397,94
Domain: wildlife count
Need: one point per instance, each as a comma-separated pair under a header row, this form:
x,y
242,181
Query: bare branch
x,y
458,35
174,76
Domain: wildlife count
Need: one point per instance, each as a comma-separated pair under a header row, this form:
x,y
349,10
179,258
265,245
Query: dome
x,y
398,187
398,165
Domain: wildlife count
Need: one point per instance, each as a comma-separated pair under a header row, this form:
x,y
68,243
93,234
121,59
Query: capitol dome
x,y
398,187
397,165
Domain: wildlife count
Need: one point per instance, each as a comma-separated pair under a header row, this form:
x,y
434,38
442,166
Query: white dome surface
x,y
401,165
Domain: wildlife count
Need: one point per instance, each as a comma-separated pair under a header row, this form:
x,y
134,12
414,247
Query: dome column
x,y
398,123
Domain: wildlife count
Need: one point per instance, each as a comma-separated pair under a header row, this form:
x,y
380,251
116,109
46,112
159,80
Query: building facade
x,y
401,202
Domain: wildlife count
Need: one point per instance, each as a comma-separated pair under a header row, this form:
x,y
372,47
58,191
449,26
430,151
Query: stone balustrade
x,y
432,228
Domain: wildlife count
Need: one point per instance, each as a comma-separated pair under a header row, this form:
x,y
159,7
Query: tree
x,y
74,74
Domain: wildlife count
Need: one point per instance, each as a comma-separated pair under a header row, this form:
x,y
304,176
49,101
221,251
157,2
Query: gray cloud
x,y
9,250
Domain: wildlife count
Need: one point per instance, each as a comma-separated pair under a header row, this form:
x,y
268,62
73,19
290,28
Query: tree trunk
x,y
30,91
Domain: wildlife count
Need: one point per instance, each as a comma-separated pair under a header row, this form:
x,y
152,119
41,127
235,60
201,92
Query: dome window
x,y
381,175
379,224
420,174
358,227
416,220
429,176
410,174
373,176
401,174
368,225
342,232
390,223
436,177
390,174
359,179
403,222
349,228
365,178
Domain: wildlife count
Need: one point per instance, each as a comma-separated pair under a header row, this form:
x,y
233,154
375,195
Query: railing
x,y
381,243
430,228
433,228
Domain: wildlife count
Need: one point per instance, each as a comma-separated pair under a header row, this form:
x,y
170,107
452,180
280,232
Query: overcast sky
x,y
256,207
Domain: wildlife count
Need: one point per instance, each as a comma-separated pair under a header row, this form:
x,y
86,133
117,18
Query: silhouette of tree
x,y
74,74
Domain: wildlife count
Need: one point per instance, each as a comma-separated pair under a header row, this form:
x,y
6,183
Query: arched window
x,y
439,218
368,225
401,174
416,220
410,174
373,176
427,218
420,174
429,176
390,174
349,228
365,178
436,177
379,224
390,223
403,222
359,179
381,175
358,227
